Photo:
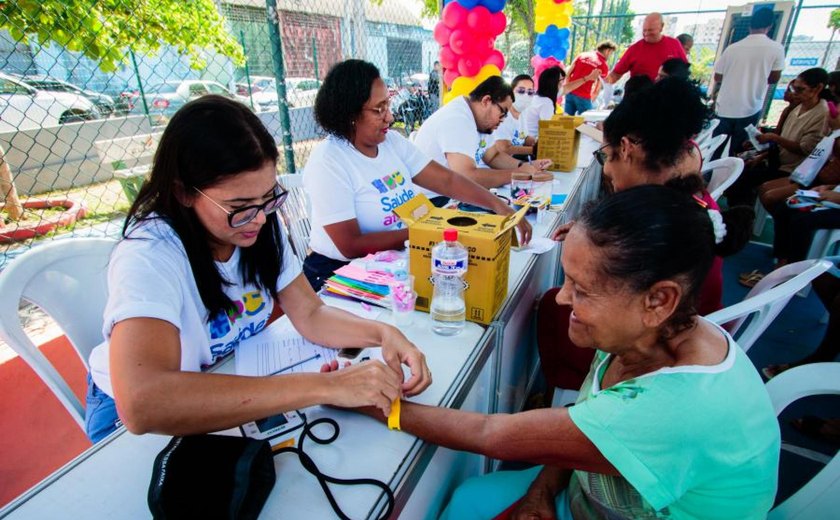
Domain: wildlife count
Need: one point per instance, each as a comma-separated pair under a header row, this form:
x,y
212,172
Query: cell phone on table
x,y
273,426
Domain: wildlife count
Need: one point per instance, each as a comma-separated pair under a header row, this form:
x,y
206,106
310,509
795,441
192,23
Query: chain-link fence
x,y
77,138
81,113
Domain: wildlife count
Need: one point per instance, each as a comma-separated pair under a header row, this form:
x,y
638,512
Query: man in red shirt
x,y
648,54
582,79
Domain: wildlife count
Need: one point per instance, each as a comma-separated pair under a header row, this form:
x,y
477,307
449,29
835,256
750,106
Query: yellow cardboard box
x,y
559,142
488,238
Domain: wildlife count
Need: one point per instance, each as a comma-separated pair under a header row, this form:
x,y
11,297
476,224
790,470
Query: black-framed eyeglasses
x,y
242,216
502,109
600,155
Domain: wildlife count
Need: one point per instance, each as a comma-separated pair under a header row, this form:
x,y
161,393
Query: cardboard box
x,y
488,238
559,141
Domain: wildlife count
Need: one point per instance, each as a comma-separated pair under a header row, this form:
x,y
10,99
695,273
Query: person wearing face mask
x,y
583,78
510,137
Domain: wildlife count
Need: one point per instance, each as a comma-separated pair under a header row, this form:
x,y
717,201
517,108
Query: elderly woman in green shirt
x,y
672,420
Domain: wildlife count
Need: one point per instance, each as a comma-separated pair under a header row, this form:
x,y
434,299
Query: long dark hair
x,y
549,84
208,140
651,233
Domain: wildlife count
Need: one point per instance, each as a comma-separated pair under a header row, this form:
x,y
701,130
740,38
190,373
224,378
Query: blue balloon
x,y
563,33
494,6
468,4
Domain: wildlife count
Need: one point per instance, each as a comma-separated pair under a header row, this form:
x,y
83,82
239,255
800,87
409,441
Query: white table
x,y
111,479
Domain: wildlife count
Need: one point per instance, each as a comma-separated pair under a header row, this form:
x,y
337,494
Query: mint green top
x,y
689,442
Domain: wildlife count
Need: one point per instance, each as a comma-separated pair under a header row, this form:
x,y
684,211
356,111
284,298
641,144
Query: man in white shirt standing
x,y
451,135
742,74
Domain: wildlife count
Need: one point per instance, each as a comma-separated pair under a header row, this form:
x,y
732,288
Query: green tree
x,y
104,29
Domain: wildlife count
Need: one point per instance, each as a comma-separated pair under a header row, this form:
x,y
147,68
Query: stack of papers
x,y
356,283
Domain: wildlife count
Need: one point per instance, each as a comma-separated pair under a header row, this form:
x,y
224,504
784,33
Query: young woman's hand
x,y
398,351
370,383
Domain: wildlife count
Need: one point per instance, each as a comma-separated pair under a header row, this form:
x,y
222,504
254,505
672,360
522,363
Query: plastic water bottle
x,y
449,266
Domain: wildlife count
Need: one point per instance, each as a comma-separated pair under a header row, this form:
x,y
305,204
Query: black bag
x,y
211,476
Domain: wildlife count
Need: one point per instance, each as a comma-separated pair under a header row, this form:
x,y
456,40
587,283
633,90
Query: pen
x,y
293,365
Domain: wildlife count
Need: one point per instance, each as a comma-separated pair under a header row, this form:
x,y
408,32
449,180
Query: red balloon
x,y
442,33
478,19
454,15
498,23
462,42
450,75
496,58
448,58
469,66
483,47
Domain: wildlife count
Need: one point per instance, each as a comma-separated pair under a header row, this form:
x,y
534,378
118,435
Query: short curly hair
x,y
341,97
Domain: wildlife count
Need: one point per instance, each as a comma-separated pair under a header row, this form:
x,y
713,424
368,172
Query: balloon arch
x,y
467,33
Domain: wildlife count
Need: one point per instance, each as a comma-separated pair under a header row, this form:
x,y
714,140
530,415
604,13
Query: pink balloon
x,y
478,19
448,58
450,75
483,47
498,23
462,42
454,15
442,33
469,66
496,58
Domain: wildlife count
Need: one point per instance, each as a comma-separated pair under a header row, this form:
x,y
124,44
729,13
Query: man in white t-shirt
x,y
742,74
451,136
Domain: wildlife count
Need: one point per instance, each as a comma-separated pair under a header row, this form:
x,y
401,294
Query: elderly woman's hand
x,y
396,351
766,138
535,505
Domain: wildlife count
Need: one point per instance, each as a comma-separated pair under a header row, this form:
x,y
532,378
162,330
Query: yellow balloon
x,y
549,13
463,86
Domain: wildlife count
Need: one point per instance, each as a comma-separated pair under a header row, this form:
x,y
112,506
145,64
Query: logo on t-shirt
x,y
389,182
482,147
518,138
224,323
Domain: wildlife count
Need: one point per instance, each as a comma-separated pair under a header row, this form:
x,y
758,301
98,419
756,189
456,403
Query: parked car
x,y
258,84
164,99
23,107
103,102
300,92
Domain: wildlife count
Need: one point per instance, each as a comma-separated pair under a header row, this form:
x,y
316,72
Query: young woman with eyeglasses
x,y
510,137
204,264
363,170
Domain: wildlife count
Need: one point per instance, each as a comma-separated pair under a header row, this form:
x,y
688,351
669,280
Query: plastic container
x,y
520,185
541,185
403,298
450,260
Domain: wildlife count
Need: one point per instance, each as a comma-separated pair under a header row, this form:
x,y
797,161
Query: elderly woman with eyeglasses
x,y
362,171
204,264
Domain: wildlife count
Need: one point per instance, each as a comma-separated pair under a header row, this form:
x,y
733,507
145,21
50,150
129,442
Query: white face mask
x,y
522,102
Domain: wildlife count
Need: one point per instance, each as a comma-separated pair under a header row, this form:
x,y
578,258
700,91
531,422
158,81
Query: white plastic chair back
x,y
766,300
295,214
725,171
824,244
706,133
68,280
818,497
707,148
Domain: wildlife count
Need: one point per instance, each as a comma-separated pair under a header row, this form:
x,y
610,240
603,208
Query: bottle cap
x,y
450,235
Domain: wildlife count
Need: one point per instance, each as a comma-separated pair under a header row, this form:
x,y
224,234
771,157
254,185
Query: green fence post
x,y
280,75
315,60
247,72
140,86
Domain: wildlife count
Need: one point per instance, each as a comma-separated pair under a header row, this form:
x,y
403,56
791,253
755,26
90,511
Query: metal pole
x,y
315,61
586,28
280,75
793,25
601,19
140,85
247,72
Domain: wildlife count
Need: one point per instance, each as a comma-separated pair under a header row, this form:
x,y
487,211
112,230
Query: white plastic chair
x,y
706,133
707,148
818,497
295,214
725,171
68,280
766,300
826,242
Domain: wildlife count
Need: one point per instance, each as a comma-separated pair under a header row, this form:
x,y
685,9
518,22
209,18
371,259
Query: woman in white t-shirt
x,y
544,105
510,137
203,265
363,170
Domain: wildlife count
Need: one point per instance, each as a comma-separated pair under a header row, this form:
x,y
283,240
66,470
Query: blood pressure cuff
x,y
210,477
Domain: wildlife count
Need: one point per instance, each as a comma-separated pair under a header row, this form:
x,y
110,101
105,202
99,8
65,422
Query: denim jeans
x,y
101,417
576,105
734,128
